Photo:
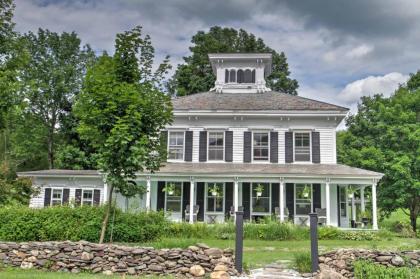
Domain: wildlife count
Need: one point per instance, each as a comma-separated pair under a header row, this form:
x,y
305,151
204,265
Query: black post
x,y
313,218
239,243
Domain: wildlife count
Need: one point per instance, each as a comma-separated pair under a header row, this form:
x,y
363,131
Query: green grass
x,y
397,216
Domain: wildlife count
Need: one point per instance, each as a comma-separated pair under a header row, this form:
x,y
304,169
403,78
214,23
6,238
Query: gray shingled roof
x,y
272,100
234,169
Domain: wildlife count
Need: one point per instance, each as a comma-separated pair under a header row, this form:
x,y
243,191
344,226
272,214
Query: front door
x,y
342,205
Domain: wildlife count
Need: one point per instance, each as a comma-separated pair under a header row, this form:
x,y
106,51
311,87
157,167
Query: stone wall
x,y
340,262
108,259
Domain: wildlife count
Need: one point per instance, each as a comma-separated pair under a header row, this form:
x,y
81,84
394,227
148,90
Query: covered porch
x,y
200,192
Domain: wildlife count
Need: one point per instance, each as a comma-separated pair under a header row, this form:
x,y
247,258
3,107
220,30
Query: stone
x,y
197,270
341,264
131,271
31,259
26,265
383,258
170,264
194,248
397,261
202,257
86,256
35,253
219,275
214,252
329,274
75,270
155,267
203,246
138,251
220,267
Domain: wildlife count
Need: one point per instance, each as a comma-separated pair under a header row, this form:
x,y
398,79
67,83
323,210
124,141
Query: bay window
x,y
176,146
302,147
260,146
216,146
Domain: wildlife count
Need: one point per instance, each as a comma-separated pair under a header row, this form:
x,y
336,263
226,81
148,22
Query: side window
x,y
176,146
216,146
56,196
302,147
260,146
87,197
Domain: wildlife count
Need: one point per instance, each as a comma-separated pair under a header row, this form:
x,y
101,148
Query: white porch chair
x,y
195,213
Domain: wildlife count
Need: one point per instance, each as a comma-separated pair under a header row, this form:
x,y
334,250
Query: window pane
x,y
176,145
174,200
248,76
302,147
216,145
215,197
56,194
261,148
303,199
232,77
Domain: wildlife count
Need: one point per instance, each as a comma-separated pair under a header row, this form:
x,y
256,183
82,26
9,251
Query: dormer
x,y
240,72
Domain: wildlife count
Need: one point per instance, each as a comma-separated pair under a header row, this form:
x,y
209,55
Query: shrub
x,y
357,235
302,262
328,233
368,270
80,223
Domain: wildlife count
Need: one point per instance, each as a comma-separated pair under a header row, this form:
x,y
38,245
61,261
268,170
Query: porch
x,y
212,192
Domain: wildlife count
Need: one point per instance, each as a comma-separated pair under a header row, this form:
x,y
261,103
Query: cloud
x,y
371,85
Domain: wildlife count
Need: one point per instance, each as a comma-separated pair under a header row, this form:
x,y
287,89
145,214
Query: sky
x,y
338,50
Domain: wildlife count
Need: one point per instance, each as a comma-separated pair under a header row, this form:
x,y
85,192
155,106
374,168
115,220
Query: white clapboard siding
x,y
63,182
238,144
327,145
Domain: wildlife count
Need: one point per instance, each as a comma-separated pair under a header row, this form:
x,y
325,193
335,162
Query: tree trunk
x,y
51,148
106,216
414,212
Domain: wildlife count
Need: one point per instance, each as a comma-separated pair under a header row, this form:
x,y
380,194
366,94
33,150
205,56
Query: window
x,y
303,199
260,194
226,76
87,197
56,196
173,199
240,75
216,146
176,145
260,146
248,76
215,197
343,201
302,147
232,76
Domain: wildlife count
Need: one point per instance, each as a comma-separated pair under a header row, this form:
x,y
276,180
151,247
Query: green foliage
x,y
302,262
357,235
80,223
72,158
14,190
384,136
328,233
368,270
196,74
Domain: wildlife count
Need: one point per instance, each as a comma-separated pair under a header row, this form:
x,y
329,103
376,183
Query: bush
x,y
328,233
80,223
368,270
302,262
357,235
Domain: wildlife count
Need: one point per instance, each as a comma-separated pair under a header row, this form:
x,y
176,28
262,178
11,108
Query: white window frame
x,y
208,145
206,197
294,198
310,147
82,198
183,147
269,145
254,213
52,192
182,197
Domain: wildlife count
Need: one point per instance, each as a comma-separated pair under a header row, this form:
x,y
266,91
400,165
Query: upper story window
x,y
260,146
240,76
216,146
176,145
56,196
302,147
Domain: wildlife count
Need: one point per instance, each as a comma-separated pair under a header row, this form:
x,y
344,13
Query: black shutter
x,y
290,199
185,197
78,197
228,197
275,199
229,146
188,146
160,203
247,147
274,149
202,154
316,151
96,197
246,188
316,189
200,200
164,145
66,195
289,147
47,197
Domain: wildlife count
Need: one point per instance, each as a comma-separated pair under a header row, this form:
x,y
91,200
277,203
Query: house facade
x,y
238,146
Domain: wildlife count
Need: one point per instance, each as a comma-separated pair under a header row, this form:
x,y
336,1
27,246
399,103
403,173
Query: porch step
x,y
277,270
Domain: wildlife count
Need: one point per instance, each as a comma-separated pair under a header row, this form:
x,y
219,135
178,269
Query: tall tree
x,y
384,136
122,111
53,76
196,75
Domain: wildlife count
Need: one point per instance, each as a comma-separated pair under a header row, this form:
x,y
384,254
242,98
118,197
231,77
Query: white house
x,y
240,144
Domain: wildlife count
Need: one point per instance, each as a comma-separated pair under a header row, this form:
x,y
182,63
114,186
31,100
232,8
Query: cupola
x,y
240,72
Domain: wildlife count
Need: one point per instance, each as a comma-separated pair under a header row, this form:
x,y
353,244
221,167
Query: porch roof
x,y
233,169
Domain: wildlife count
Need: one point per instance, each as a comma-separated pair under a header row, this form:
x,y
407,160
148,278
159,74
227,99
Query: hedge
x,y
367,270
80,223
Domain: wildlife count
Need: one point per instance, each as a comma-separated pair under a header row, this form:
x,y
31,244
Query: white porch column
x,y
281,199
191,200
353,208
235,195
374,213
105,192
148,193
327,201
362,199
